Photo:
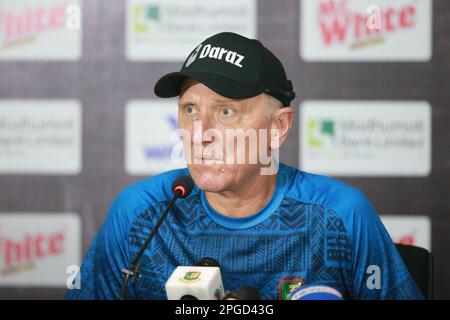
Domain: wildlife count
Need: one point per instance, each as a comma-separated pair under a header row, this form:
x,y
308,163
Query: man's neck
x,y
245,201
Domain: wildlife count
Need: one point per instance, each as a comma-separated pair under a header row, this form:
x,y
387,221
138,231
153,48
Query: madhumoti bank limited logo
x,y
144,17
366,137
320,133
167,30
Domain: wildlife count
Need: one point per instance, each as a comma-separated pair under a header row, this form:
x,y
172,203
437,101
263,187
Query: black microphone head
x,y
188,297
243,293
207,262
183,185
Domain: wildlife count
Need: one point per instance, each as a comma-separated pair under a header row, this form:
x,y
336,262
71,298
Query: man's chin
x,y
208,179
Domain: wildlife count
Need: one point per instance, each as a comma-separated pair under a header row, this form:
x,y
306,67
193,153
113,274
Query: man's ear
x,y
281,123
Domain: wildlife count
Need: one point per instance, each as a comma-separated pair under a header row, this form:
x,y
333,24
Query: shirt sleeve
x,y
100,273
378,269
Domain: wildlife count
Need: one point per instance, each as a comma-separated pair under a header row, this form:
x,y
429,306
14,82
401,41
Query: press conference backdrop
x,y
79,120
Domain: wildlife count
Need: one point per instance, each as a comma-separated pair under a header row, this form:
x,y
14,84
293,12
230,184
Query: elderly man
x,y
274,229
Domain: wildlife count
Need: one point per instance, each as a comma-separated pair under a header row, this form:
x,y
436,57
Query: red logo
x,y
338,23
17,28
15,254
408,239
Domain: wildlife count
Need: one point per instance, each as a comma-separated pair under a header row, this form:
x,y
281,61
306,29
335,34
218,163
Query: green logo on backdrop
x,y
142,14
318,130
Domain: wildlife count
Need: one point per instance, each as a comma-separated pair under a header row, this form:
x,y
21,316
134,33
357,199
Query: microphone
x,y
200,282
315,292
181,188
207,262
243,293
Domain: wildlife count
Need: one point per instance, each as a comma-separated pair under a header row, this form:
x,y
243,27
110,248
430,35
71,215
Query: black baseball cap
x,y
234,66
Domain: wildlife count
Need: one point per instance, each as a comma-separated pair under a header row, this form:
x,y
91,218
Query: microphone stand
x,y
133,269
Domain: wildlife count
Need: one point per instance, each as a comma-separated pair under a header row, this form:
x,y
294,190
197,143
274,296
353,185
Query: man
x,y
271,227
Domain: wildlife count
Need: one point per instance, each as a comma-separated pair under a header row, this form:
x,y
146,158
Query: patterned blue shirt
x,y
314,230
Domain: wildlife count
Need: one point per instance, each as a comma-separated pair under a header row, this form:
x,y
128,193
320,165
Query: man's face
x,y
214,166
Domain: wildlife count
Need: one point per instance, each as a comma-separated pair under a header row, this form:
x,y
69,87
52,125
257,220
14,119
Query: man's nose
x,y
201,125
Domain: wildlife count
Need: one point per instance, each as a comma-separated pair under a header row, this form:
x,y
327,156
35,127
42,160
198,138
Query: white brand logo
x,y
193,56
216,53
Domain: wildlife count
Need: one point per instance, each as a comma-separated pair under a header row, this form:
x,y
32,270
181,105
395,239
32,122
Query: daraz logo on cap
x,y
193,56
215,53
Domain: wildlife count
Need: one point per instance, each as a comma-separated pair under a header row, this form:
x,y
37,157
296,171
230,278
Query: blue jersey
x,y
314,230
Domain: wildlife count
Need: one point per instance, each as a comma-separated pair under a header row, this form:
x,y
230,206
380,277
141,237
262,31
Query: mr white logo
x,y
29,30
36,248
218,53
366,30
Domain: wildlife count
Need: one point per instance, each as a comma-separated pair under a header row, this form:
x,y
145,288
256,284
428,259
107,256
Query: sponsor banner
x,y
37,248
40,137
411,230
150,137
366,30
40,29
168,30
366,138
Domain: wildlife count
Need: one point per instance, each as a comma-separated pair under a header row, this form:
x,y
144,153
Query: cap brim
x,y
170,85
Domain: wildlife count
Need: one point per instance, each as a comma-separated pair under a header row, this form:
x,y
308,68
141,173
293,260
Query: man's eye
x,y
227,112
189,109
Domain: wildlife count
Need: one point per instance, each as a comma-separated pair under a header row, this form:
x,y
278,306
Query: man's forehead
x,y
201,90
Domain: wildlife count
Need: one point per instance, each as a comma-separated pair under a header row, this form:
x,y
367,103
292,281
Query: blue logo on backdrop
x,y
162,152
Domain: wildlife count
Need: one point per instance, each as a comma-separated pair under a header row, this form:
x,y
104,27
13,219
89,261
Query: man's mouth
x,y
208,159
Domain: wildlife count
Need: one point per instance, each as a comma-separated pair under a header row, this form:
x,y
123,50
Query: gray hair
x,y
273,104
